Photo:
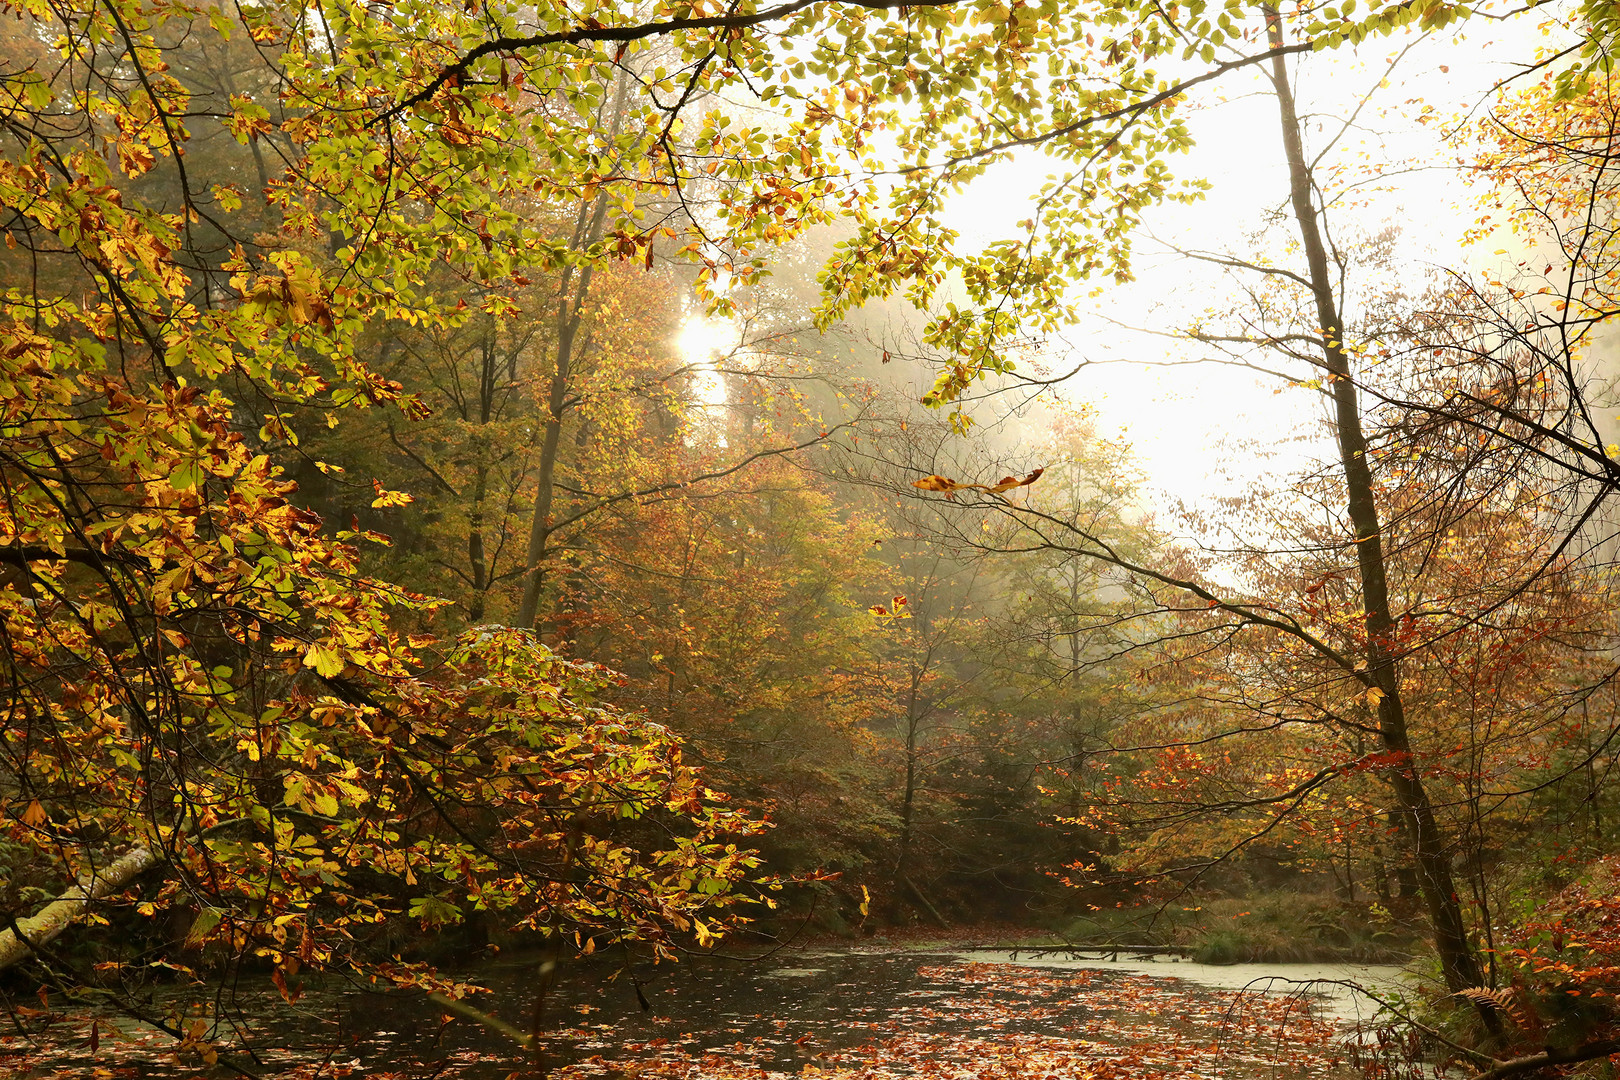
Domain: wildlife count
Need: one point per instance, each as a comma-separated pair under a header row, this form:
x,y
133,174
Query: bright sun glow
x,y
702,342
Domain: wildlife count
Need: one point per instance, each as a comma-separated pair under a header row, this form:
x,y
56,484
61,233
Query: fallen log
x,y
59,914
1111,951
925,903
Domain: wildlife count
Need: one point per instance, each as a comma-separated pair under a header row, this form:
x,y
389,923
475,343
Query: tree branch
x,y
1549,1057
583,34
62,912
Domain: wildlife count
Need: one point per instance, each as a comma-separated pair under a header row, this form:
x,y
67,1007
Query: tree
x,y
1004,661
985,88
262,733
200,677
1392,510
1377,654
735,620
931,637
1514,355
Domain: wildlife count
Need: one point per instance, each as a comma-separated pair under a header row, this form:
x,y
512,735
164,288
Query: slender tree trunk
x,y
1074,616
1458,962
475,543
1592,789
908,803
572,294
1349,870
477,558
908,800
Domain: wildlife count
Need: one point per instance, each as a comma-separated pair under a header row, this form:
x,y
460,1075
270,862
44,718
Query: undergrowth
x,y
1272,929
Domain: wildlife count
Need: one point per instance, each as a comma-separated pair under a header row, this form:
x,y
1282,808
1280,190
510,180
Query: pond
x,y
879,1014
1332,986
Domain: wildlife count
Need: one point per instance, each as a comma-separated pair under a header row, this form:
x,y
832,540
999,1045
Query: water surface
x,y
876,1015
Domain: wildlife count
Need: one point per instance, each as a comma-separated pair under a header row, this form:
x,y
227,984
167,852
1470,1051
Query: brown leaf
x,y
1006,483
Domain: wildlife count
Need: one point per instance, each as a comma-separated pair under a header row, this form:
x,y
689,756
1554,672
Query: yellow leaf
x,y
326,661
388,498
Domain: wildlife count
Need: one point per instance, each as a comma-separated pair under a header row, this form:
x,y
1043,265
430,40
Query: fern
x,y
1507,1002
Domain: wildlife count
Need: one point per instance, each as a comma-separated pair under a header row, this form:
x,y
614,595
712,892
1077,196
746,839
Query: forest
x,y
611,484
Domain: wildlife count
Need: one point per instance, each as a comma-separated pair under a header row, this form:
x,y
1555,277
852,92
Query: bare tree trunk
x,y
908,801
477,559
572,294
1458,962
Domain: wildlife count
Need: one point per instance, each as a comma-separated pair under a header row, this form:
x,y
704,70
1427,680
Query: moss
x,y
1282,927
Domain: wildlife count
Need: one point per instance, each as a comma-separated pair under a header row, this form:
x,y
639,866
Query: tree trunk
x,y
572,293
1458,962
477,559
61,913
908,800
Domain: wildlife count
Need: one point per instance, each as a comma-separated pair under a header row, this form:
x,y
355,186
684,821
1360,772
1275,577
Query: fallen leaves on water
x,y
1003,1022
963,1021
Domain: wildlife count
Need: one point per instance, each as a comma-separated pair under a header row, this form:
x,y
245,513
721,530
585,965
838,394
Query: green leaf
x,y
203,925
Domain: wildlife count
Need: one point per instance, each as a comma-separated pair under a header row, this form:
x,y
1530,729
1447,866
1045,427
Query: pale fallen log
x,y
60,913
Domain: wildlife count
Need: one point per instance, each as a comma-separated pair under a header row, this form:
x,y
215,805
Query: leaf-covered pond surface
x,y
865,1015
